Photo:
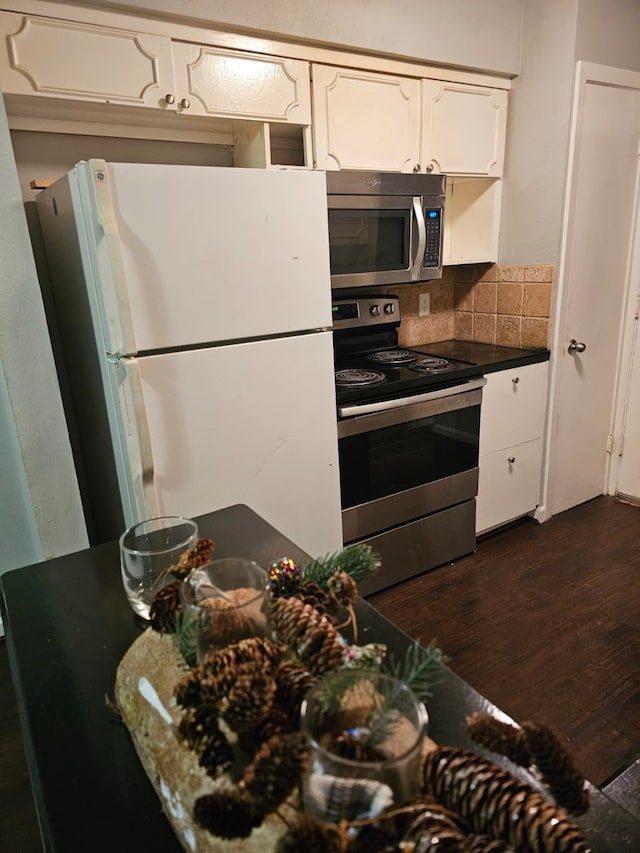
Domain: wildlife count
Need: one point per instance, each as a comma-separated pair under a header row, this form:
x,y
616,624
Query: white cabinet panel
x,y
62,59
463,129
508,485
513,407
229,83
472,220
364,120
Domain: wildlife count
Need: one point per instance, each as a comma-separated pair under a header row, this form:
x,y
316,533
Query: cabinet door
x,y
463,128
508,484
513,407
82,62
365,120
215,82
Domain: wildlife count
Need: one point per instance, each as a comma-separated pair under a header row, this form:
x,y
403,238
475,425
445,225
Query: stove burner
x,y
431,365
392,356
356,378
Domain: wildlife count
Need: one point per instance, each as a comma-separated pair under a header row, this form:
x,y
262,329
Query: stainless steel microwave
x,y
384,227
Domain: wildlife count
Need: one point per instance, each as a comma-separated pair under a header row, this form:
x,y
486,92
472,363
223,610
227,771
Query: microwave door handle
x,y
422,238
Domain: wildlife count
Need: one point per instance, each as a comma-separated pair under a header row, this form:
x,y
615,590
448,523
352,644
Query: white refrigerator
x,y
193,309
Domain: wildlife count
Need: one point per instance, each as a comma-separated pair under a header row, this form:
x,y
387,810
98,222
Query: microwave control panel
x,y
432,219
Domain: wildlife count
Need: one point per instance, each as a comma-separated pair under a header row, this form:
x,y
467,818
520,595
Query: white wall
x,y
538,135
39,496
608,33
481,34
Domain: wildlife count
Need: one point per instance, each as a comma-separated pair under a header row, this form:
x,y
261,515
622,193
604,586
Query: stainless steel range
x,y
408,430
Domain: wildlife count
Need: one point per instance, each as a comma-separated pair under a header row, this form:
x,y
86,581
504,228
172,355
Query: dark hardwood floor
x,y
543,619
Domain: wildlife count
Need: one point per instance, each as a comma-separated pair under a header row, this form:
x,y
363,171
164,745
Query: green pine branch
x,y
359,561
420,668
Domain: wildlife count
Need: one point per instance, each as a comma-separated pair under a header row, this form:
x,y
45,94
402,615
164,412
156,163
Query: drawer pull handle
x,y
511,460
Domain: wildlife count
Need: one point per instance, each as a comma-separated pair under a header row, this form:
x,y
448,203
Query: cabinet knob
x,y
417,167
429,168
185,103
511,460
515,380
169,98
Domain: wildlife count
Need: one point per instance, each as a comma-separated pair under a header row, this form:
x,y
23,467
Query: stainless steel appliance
x,y
384,228
408,432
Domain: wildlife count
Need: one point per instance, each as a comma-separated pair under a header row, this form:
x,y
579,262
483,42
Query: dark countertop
x,y
491,356
68,624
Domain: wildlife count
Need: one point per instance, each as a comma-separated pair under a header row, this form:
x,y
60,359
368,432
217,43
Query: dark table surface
x,y
68,624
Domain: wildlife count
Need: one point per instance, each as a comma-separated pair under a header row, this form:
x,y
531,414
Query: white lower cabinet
x,y
509,484
510,461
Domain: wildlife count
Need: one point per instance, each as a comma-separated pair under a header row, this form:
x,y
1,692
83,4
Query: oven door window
x,y
393,459
376,239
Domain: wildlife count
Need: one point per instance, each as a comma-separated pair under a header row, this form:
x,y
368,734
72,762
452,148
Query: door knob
x,y
575,346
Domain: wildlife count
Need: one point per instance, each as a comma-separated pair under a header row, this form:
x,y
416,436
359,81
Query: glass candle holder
x,y
229,600
147,551
366,732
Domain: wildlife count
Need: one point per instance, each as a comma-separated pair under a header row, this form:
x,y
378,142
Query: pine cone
x,y
558,772
313,837
276,770
217,756
292,683
310,635
499,737
248,700
313,594
217,673
494,802
199,729
196,556
226,813
343,588
164,608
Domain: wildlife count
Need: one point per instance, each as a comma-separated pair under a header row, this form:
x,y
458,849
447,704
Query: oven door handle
x,y
422,238
401,402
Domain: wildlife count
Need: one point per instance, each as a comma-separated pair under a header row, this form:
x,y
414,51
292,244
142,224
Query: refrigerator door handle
x,y
113,280
138,466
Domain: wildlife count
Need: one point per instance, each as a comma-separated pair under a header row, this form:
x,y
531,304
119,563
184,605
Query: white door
x,y
250,423
599,222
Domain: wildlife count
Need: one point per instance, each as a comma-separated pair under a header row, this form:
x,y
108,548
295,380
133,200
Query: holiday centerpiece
x,y
241,763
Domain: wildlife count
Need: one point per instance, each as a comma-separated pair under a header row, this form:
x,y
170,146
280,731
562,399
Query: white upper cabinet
x,y
364,120
63,59
463,129
82,62
223,83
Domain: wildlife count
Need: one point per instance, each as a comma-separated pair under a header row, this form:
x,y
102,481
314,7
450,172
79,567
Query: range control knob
x,y
374,310
389,308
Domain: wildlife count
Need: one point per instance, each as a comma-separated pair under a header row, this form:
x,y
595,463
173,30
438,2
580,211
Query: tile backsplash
x,y
487,303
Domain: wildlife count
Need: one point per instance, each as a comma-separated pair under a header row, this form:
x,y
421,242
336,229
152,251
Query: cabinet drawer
x,y
513,407
508,489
